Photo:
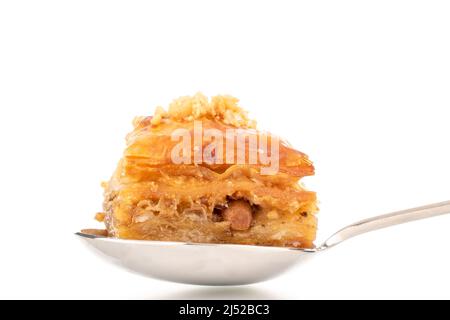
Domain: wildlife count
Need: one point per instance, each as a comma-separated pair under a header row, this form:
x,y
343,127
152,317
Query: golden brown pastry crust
x,y
149,197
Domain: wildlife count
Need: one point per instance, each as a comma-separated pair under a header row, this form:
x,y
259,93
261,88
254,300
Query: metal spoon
x,y
228,264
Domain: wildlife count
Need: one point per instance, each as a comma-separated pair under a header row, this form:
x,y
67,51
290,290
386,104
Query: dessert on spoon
x,y
202,197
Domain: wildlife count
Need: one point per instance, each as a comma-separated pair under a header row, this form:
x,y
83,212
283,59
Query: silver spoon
x,y
228,264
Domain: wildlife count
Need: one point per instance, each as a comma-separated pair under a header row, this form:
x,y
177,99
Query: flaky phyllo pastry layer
x,y
221,200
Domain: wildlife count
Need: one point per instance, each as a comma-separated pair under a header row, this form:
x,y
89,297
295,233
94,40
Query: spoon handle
x,y
387,220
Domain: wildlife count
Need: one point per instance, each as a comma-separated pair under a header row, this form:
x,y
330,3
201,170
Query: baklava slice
x,y
199,173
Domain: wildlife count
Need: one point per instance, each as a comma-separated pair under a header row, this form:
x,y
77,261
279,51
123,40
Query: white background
x,y
360,86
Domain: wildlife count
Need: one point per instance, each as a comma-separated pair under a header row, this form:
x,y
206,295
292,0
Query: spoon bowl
x,y
199,264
